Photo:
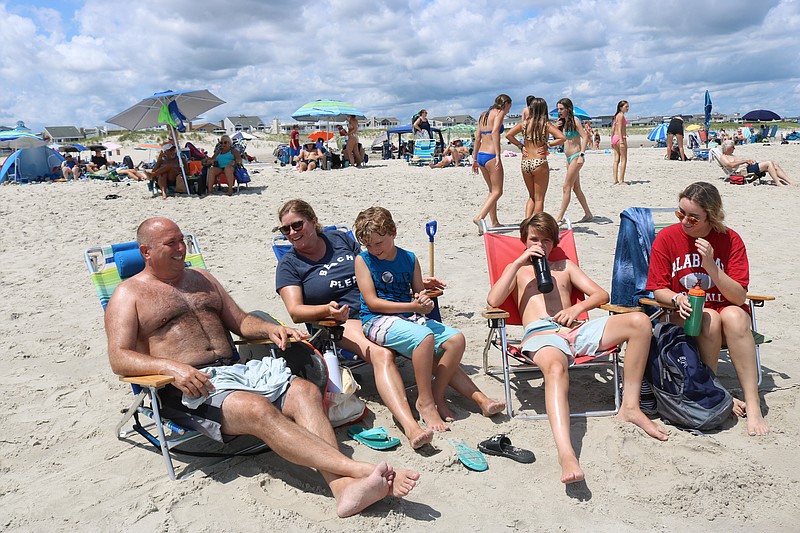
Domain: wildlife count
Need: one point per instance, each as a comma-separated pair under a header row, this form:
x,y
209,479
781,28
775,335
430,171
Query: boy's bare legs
x,y
742,351
635,329
553,364
422,359
448,372
388,381
303,435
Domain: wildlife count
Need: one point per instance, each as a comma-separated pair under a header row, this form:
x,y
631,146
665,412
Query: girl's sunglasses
x,y
297,226
691,220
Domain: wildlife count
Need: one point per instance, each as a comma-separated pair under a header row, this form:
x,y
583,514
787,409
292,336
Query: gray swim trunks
x,y
574,341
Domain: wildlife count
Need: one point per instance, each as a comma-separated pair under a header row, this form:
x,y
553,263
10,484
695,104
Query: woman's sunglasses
x,y
691,220
297,226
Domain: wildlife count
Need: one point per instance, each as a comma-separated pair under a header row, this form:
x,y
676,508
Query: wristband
x,y
675,300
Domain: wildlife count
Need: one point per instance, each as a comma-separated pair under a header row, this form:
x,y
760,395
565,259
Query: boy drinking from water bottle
x,y
553,337
394,303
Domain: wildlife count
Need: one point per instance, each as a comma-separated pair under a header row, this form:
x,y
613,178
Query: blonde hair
x,y
707,197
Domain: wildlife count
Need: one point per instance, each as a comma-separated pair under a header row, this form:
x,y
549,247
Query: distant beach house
x,y
208,127
379,123
64,134
243,123
452,120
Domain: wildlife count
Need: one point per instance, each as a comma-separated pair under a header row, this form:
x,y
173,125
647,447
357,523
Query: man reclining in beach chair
x,y
553,337
171,320
732,165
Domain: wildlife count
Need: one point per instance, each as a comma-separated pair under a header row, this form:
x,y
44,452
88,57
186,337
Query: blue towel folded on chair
x,y
632,256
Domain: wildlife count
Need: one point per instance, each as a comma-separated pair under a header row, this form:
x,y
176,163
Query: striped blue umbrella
x,y
659,133
580,114
17,138
330,110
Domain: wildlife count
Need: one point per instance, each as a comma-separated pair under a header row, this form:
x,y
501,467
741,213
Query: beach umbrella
x,y
97,147
458,129
693,127
328,110
659,133
19,139
69,148
580,114
324,135
168,107
761,115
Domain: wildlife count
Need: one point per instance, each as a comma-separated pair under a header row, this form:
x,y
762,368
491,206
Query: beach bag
x,y
736,179
675,154
687,392
345,407
241,175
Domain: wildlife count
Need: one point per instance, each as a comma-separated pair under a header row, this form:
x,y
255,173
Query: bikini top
x,y
502,129
571,134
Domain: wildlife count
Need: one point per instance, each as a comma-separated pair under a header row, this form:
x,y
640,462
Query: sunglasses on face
x,y
691,220
297,226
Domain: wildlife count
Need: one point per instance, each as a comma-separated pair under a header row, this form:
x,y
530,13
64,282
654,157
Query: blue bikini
x,y
484,157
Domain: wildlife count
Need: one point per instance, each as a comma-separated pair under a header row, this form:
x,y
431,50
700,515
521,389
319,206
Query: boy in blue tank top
x,y
394,303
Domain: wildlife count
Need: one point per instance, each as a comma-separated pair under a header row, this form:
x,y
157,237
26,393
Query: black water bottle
x,y
543,278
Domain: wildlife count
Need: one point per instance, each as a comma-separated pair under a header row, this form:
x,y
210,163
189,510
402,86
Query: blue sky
x,y
79,62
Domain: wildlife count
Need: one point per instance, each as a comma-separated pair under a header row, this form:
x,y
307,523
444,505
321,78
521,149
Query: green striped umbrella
x,y
330,110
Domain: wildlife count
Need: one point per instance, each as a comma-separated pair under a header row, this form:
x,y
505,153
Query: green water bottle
x,y
697,299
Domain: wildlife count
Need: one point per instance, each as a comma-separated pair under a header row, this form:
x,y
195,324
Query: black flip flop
x,y
501,445
112,196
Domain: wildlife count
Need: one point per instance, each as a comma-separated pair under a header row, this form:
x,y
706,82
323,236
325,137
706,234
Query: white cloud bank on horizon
x,y
86,61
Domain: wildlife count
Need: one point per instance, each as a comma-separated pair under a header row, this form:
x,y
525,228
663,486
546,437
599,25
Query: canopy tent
x,y
31,164
402,130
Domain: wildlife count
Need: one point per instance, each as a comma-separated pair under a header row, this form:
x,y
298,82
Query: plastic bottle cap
x,y
697,291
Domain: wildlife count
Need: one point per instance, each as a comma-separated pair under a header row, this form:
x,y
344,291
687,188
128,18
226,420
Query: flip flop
x,y
472,459
501,445
376,438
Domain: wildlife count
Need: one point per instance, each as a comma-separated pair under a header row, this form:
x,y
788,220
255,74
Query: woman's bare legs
x,y
572,181
493,175
387,380
623,160
536,183
615,165
229,178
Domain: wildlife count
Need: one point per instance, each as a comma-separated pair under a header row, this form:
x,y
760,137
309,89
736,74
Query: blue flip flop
x,y
376,438
469,457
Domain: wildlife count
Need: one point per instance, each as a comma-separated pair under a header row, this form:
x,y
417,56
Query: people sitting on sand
x,y
733,165
701,249
452,155
167,168
309,157
173,320
70,168
394,302
224,160
97,163
316,280
553,337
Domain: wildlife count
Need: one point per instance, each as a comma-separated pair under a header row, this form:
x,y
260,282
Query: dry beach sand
x,y
62,469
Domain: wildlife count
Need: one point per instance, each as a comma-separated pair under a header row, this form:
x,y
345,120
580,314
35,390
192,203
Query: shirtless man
x,y
167,169
733,164
172,320
554,342
453,154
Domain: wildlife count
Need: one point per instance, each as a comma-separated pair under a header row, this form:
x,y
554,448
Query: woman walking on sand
x,y
574,148
619,142
487,155
536,130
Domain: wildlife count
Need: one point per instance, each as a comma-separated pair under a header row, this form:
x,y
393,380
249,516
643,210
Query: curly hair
x,y
375,220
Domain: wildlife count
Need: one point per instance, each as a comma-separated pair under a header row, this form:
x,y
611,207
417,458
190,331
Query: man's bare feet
x,y
431,417
571,471
403,482
419,437
361,493
491,407
756,425
636,417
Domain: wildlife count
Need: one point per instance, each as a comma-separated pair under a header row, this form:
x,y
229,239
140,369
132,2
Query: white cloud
x,y
92,59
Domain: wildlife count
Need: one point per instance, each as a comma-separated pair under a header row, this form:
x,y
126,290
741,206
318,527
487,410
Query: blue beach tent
x,y
31,164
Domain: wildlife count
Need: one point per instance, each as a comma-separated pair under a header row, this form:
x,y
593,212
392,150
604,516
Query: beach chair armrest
x,y
619,309
494,313
760,298
155,380
655,303
434,293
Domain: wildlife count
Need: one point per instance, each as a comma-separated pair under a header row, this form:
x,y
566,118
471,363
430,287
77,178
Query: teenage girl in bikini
x,y
487,148
536,130
619,142
574,148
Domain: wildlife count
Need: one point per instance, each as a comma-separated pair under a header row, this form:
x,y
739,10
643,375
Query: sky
x,y
80,62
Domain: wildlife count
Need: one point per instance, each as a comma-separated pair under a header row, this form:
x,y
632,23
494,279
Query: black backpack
x,y
687,392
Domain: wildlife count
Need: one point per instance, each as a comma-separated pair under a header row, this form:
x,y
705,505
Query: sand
x,y
64,470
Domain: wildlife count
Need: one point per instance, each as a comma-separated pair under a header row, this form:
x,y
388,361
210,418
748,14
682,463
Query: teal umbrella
x,y
580,114
330,110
